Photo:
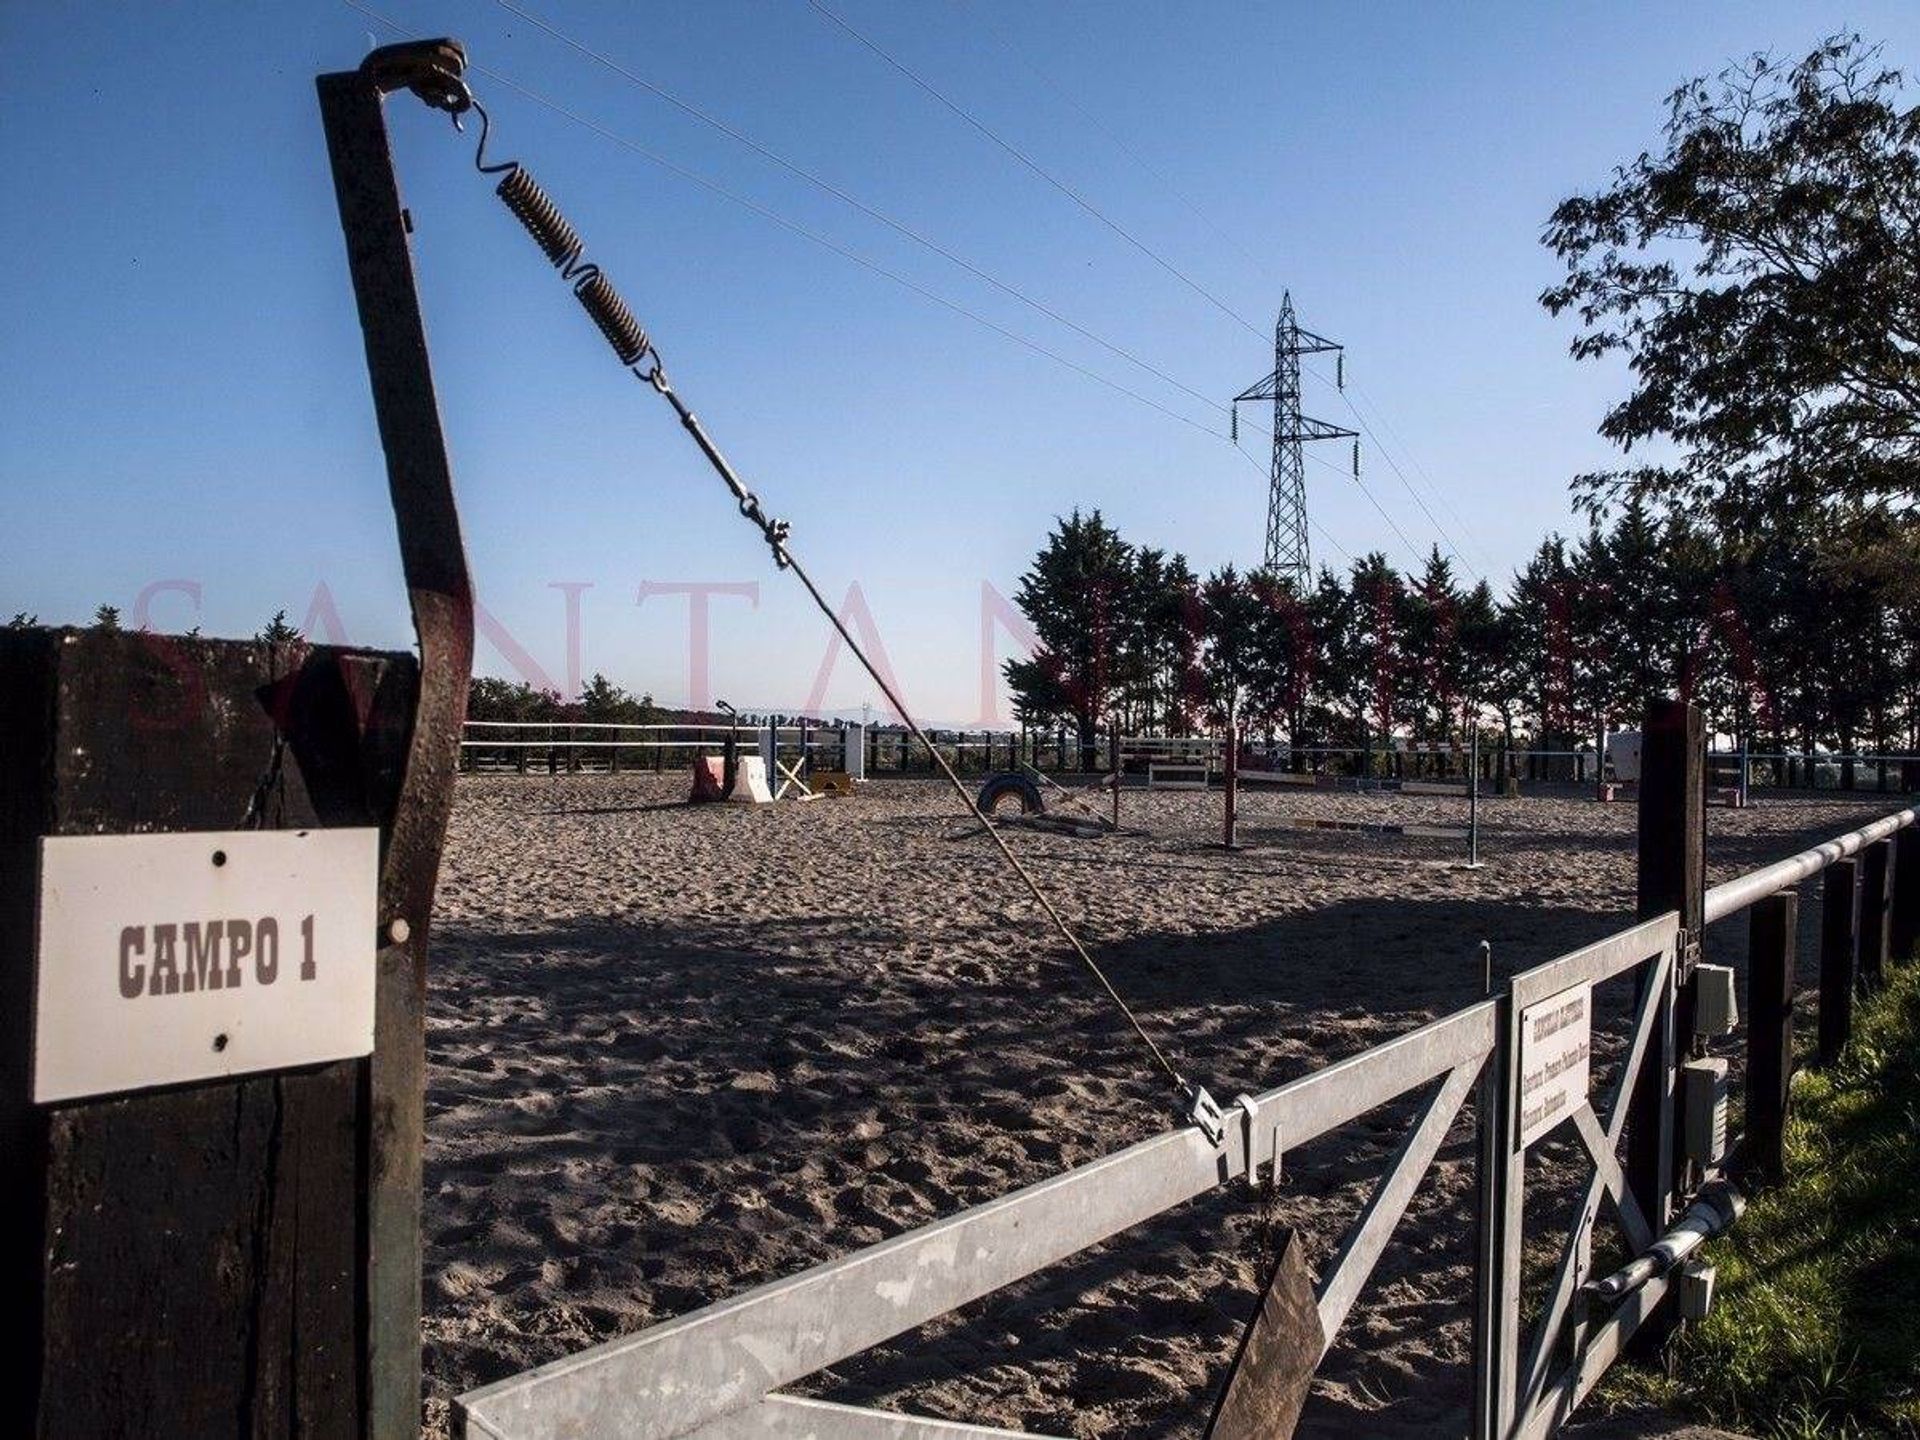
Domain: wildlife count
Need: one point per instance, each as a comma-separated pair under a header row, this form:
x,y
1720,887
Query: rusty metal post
x,y
420,481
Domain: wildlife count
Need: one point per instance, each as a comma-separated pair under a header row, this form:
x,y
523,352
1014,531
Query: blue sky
x,y
186,409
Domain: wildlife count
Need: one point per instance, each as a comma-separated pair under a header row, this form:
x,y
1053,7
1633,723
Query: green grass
x,y
1815,1329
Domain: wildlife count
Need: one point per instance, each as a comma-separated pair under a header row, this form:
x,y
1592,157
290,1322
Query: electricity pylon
x,y
1287,553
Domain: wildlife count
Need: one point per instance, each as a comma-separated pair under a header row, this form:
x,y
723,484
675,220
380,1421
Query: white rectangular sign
x,y
170,958
1556,1046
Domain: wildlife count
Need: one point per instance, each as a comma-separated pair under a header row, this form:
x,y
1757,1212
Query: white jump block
x,y
750,783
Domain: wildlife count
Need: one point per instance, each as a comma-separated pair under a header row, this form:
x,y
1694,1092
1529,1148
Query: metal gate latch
x,y
1260,1145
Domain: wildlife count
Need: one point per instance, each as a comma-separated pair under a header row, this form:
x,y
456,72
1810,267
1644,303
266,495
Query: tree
x,y
106,619
1076,597
277,632
1432,673
489,698
1761,276
1230,609
607,703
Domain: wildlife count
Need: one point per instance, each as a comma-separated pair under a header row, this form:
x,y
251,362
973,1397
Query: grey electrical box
x,y
1696,1290
1703,1097
1715,1011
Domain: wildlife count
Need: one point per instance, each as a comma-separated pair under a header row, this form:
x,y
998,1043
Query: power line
x,y
1120,144
1172,189
826,242
1091,209
846,197
876,214
837,248
1413,459
1393,465
1033,165
1372,500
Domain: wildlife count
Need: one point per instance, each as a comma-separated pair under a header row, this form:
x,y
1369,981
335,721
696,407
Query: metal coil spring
x,y
562,246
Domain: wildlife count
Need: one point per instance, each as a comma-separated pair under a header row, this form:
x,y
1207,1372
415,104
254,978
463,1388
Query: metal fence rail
x,y
714,1373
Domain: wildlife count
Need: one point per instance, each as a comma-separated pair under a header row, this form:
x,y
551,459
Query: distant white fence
x,y
550,746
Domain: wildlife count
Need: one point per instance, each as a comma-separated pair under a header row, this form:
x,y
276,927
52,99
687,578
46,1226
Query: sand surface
x,y
677,1051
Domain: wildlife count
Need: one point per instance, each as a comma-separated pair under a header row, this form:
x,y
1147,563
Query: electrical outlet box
x,y
1703,1094
1696,1290
1715,1011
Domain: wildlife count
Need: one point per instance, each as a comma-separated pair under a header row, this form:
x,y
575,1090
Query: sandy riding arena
x,y
677,1051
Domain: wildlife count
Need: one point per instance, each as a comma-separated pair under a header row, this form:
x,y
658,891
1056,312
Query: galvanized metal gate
x,y
715,1373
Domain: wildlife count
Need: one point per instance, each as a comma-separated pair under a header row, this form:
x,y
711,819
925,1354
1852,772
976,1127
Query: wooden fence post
x,y
1876,871
187,1261
1905,930
1672,876
1839,937
1771,930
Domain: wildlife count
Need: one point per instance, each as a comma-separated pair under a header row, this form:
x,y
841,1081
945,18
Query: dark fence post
x,y
1771,929
1839,937
1876,871
1672,876
1905,930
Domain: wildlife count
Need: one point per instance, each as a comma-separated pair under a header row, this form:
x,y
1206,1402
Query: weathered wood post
x,y
1771,930
185,1246
218,1235
1839,940
1672,876
1876,871
1905,930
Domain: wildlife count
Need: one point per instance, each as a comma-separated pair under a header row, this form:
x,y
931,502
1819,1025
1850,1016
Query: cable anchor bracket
x,y
1200,1108
434,70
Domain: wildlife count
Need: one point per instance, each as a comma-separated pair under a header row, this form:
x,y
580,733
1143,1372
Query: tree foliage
x,y
600,700
1760,274
1782,647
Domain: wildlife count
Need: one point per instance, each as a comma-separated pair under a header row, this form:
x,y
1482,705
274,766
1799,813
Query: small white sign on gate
x,y
1556,1046
179,957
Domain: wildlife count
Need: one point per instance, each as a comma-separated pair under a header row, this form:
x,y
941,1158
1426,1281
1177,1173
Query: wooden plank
x,y
1279,1352
1771,933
